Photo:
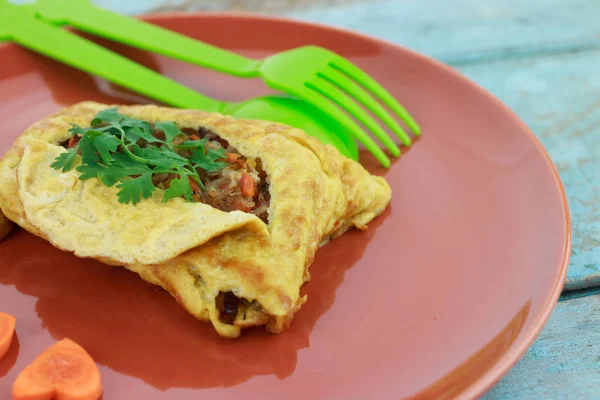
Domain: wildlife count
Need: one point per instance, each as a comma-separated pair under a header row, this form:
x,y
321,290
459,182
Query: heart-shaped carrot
x,y
64,371
7,330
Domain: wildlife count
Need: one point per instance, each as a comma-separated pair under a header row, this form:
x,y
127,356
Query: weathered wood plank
x,y
576,294
260,6
466,31
564,363
457,32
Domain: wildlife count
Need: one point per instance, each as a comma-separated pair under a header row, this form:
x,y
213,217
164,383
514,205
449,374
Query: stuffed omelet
x,y
237,253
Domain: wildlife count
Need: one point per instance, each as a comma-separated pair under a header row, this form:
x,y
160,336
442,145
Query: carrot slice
x,y
232,157
64,371
195,187
73,142
194,137
247,185
7,330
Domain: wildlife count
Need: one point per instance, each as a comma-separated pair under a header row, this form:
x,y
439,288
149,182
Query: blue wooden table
x,y
542,58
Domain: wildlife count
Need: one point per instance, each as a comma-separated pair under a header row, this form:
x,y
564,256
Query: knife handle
x,y
19,24
87,17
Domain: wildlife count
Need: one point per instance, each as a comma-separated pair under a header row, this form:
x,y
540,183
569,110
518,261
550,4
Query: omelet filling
x,y
239,311
241,185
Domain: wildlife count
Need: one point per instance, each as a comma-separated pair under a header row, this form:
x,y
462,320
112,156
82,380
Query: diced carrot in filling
x,y
195,187
247,185
232,157
73,142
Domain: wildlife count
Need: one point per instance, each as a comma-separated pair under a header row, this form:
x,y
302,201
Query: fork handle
x,y
23,28
85,16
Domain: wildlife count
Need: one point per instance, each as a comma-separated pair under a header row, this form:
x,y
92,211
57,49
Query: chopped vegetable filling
x,y
234,309
140,157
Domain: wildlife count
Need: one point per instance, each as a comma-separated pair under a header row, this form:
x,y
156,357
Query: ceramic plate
x,y
437,299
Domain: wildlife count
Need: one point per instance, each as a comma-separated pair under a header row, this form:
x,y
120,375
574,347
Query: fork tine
x,y
328,107
334,76
336,95
364,79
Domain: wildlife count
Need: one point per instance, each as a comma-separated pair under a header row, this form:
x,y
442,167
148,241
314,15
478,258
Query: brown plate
x,y
438,298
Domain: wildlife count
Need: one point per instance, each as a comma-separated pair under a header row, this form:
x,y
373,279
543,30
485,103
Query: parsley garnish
x,y
110,151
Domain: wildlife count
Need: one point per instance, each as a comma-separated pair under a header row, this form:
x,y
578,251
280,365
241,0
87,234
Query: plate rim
x,y
510,358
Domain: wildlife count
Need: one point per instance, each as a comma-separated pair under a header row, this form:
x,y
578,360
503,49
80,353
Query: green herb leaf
x,y
192,144
112,152
89,171
122,166
65,160
109,116
163,157
179,187
76,130
170,129
133,189
143,131
207,159
105,145
88,151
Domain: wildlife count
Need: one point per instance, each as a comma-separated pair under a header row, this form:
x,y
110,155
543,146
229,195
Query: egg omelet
x,y
235,263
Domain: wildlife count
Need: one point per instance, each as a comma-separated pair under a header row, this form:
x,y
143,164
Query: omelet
x,y
239,252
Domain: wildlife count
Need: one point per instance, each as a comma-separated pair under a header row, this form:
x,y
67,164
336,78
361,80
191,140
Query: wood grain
x,y
272,7
256,6
564,362
472,31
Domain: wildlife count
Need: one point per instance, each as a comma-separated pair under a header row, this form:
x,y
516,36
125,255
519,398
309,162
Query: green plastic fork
x,y
19,24
313,74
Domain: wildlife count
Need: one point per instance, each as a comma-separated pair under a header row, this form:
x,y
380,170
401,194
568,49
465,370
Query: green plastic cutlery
x,y
310,73
18,23
327,81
